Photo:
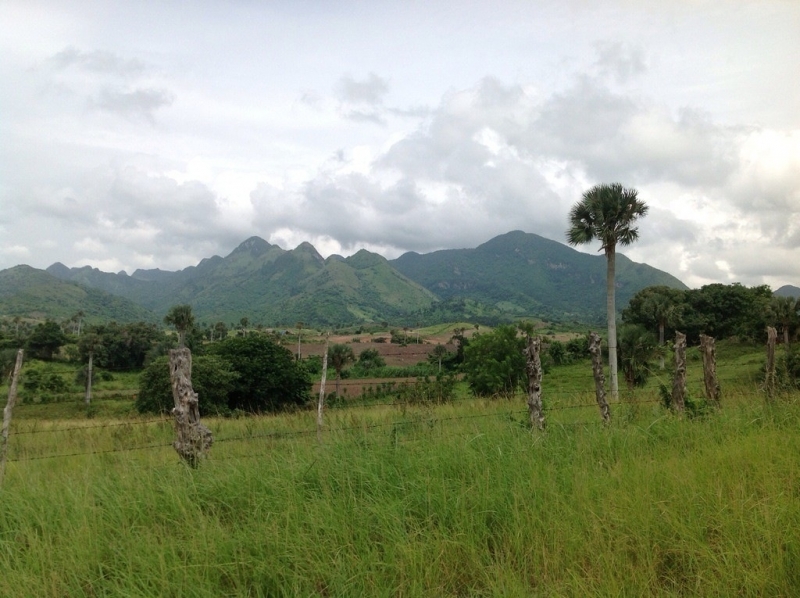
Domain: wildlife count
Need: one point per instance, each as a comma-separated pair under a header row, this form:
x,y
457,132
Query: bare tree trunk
x,y
769,382
533,368
596,350
611,314
88,398
321,402
708,348
193,439
679,382
12,399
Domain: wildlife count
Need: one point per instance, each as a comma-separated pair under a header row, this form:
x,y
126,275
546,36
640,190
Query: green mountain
x,y
511,276
272,286
522,274
31,293
787,290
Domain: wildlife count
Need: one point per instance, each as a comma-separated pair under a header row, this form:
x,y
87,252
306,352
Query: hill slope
x,y
522,274
31,293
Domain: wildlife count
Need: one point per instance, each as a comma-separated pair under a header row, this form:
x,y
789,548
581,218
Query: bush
x,y
213,380
269,378
428,391
494,363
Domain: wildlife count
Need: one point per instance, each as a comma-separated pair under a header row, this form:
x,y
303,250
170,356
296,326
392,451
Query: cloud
x,y
141,103
97,61
370,91
620,61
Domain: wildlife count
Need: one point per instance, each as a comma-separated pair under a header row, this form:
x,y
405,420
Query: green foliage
x,y
45,340
494,362
558,353
428,391
182,318
269,378
369,360
213,380
637,347
119,346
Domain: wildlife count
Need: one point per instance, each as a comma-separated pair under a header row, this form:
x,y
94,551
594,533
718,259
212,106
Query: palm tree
x,y
607,213
663,307
299,327
782,311
182,318
339,356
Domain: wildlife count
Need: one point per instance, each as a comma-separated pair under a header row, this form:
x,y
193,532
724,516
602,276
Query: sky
x,y
155,134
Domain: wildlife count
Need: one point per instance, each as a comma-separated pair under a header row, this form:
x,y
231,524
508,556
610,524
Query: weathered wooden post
x,y
769,381
596,350
321,402
533,368
12,400
679,382
88,398
709,351
193,439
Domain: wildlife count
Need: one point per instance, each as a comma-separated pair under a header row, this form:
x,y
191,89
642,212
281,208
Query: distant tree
x,y
607,213
243,325
46,339
494,362
220,330
439,353
181,317
338,357
269,378
120,346
655,307
782,313
370,359
299,327
78,318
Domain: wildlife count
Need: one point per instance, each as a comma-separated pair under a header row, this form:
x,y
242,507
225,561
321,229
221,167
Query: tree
x,y
339,356
607,213
369,360
46,339
637,346
243,324
782,312
494,363
213,379
439,352
299,326
269,378
181,317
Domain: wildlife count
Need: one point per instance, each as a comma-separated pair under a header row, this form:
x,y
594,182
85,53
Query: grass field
x,y
454,500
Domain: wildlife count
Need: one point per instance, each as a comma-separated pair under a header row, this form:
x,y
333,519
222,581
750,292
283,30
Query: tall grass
x,y
457,500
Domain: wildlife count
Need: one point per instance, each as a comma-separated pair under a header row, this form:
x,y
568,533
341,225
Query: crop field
x,y
459,499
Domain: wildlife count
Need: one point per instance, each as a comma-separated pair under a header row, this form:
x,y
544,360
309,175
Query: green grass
x,y
457,500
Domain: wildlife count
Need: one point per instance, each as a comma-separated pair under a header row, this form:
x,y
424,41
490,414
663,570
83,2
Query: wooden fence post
x,y
596,350
679,382
769,381
12,399
709,351
193,439
321,402
533,367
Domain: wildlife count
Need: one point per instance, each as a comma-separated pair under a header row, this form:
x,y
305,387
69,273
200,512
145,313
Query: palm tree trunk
x,y
611,314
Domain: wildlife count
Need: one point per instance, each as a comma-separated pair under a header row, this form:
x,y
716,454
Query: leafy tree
x,y
607,213
339,356
269,378
119,347
369,360
438,354
637,346
494,362
782,313
213,380
655,307
558,353
46,339
724,311
182,318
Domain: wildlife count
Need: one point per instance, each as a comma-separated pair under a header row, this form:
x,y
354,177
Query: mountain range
x,y
510,276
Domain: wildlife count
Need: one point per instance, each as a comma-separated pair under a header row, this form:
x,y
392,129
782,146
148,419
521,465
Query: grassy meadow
x,y
461,499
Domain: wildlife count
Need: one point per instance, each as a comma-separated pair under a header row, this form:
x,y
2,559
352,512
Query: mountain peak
x,y
254,246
